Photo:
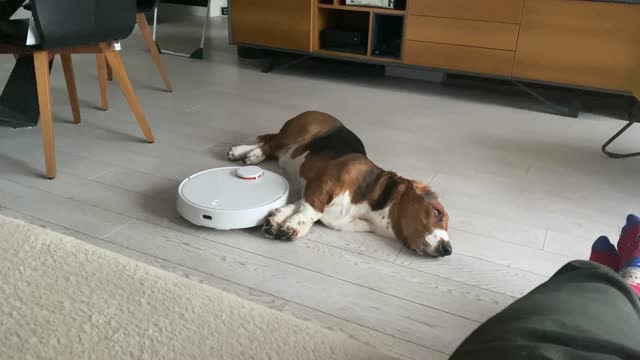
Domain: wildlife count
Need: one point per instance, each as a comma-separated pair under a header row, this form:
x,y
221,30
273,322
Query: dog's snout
x,y
445,248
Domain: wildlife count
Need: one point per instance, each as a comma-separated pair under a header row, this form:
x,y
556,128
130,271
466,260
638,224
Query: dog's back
x,y
315,133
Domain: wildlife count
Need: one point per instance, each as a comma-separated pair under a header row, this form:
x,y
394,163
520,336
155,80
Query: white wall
x,y
178,11
216,5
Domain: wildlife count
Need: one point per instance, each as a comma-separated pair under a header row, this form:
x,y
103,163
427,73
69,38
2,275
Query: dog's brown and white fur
x,y
344,189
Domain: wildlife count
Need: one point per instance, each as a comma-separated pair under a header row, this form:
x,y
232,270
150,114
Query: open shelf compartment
x,y
386,37
343,31
377,4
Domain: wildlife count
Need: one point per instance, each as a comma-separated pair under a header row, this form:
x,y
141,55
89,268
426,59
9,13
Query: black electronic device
x,y
344,41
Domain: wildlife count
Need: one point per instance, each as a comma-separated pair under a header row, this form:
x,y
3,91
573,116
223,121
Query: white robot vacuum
x,y
231,197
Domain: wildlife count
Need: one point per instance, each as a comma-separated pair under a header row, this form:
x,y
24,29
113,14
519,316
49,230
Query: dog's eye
x,y
438,212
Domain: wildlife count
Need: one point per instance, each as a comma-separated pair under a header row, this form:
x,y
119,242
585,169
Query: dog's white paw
x,y
239,152
254,157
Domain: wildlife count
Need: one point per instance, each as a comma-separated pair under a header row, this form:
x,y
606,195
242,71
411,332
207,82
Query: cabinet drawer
x,y
284,24
476,60
509,11
593,44
462,32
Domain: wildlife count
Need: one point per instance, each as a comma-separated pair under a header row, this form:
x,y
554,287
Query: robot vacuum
x,y
231,197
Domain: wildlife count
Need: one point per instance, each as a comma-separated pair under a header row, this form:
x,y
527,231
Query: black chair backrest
x,y
66,23
9,7
146,5
202,3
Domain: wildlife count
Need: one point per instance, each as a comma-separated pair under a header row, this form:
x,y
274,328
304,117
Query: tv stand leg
x,y
272,63
550,106
634,117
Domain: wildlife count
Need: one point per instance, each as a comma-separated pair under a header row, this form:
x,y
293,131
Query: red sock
x,y
629,249
603,252
636,288
629,243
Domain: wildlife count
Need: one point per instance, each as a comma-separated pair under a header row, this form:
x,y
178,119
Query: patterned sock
x,y
629,243
603,252
631,274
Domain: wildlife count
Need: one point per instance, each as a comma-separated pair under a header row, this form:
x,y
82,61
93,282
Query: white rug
x,y
61,298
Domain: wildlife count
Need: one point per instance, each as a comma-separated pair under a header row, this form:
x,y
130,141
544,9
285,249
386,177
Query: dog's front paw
x,y
270,228
234,155
254,157
286,233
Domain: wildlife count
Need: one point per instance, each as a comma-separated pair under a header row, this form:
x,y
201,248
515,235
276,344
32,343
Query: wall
x,y
216,5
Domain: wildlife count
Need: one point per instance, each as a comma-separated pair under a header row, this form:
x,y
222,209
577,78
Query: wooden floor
x,y
526,191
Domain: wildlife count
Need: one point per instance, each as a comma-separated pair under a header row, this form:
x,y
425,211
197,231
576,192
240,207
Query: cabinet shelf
x,y
368,9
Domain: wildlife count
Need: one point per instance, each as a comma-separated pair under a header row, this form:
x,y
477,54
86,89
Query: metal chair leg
x,y
197,53
634,116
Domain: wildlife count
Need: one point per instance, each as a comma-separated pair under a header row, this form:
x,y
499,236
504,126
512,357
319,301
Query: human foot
x,y
629,250
631,274
629,243
603,252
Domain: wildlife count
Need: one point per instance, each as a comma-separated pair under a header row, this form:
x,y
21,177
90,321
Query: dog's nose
x,y
445,248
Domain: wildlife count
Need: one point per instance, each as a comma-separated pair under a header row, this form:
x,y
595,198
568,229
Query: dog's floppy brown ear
x,y
408,217
419,187
424,190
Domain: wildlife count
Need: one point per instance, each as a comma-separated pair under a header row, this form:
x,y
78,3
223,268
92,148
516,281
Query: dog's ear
x,y
424,191
430,196
419,187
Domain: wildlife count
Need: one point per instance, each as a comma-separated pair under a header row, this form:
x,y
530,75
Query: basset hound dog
x,y
345,190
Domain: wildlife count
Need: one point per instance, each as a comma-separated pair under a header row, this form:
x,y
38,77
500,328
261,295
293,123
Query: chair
x,y
634,118
104,70
67,27
199,52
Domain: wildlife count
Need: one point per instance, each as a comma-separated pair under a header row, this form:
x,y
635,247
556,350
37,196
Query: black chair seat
x,y
9,7
146,5
19,100
201,3
14,32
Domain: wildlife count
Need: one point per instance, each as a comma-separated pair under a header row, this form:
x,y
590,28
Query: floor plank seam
x,y
91,178
461,282
323,274
482,235
397,256
116,229
349,250
366,327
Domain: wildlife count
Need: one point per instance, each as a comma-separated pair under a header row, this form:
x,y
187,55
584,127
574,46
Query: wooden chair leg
x,y
102,81
41,59
113,58
67,68
109,72
153,49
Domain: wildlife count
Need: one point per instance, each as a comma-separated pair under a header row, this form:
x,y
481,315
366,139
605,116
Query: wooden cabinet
x,y
283,24
508,11
483,34
586,43
593,44
462,58
473,45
